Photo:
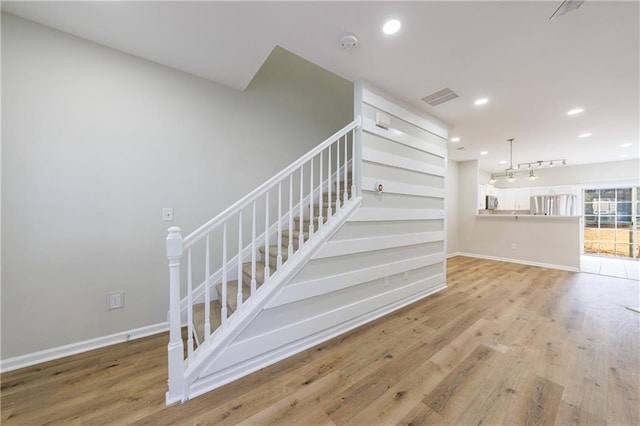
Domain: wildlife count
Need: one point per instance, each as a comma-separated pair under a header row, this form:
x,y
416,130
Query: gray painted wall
x,y
97,142
453,187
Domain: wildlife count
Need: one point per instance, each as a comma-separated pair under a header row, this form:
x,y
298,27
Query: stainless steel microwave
x,y
492,202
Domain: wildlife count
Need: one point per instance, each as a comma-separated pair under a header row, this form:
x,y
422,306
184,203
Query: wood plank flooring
x,y
505,344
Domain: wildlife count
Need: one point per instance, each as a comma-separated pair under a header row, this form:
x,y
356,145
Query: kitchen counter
x,y
526,216
538,240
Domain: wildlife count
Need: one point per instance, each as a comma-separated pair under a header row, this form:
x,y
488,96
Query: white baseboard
x,y
26,360
518,261
454,254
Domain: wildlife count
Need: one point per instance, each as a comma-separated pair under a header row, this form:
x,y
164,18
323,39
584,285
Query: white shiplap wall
x,y
388,254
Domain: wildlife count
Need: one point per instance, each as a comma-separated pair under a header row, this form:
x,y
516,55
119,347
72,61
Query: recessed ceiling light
x,y
391,27
502,162
626,145
584,135
575,111
484,152
481,101
456,139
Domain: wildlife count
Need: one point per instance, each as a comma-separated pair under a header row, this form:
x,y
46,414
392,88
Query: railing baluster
x,y
338,175
239,295
353,163
329,196
279,258
320,204
223,298
253,249
207,294
301,215
290,248
346,180
310,199
267,271
189,306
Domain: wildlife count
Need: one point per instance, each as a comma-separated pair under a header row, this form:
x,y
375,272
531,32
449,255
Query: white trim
x,y
375,156
394,187
320,286
218,379
520,262
379,102
371,214
359,245
26,360
370,127
454,254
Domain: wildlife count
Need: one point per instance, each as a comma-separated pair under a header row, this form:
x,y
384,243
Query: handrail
x,y
244,201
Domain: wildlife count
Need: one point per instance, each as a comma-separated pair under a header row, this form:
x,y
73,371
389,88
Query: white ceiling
x,y
531,68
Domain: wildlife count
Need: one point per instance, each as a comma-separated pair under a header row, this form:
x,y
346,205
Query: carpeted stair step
x,y
232,293
296,237
325,210
273,253
325,196
246,273
305,223
214,317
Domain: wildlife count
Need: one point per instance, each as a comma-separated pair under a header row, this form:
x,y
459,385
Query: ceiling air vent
x,y
441,96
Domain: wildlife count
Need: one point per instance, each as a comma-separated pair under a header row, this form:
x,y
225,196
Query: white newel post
x,y
175,347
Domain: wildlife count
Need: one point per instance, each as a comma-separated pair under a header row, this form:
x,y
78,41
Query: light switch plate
x,y
167,214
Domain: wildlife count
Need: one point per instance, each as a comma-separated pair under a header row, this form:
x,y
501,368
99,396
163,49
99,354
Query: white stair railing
x,y
298,187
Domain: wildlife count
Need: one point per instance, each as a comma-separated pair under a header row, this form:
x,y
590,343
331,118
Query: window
x,y
611,222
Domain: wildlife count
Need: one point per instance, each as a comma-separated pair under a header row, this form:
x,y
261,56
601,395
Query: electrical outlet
x,y
115,300
167,214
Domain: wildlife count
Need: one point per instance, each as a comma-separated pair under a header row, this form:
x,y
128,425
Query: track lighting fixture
x,y
511,173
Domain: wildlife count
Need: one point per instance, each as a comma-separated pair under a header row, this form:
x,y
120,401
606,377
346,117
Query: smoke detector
x,y
348,41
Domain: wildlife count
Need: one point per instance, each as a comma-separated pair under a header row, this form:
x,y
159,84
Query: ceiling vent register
x,y
441,96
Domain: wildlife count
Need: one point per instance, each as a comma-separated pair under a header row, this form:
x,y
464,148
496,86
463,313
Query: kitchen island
x,y
548,241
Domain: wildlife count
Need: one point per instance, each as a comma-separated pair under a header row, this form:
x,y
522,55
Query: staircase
x,y
247,253
287,238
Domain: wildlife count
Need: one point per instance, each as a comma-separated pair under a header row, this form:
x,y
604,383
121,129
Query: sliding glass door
x,y
611,218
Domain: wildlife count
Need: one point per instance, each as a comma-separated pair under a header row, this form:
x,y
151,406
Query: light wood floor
x,y
505,344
